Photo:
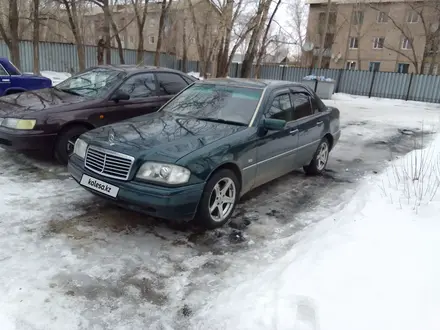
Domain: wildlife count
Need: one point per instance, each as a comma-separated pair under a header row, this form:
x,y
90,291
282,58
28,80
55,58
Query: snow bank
x,y
372,265
195,75
56,77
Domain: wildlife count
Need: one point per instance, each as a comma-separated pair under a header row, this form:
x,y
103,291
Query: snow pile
x,y
372,265
56,77
195,75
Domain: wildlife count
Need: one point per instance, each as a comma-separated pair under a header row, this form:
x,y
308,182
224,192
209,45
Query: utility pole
x,y
321,50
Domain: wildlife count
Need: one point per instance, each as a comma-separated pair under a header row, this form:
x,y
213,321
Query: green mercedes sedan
x,y
207,147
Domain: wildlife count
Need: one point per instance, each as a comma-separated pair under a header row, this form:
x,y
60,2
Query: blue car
x,y
13,81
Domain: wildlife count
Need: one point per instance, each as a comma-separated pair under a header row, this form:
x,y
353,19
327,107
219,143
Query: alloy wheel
x,y
222,199
322,156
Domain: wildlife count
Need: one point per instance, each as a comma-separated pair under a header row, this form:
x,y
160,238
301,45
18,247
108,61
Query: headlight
x,y
165,173
80,148
15,123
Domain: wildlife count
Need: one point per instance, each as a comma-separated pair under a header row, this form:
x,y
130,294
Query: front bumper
x,y
25,140
171,203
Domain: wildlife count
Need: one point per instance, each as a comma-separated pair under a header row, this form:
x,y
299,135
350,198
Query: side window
x,y
170,83
3,72
302,105
140,86
315,107
281,108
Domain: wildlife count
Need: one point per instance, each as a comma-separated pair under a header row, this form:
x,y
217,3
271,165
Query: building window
x,y
358,17
351,65
151,39
382,17
412,17
354,43
131,40
152,22
406,43
402,67
331,18
378,42
374,66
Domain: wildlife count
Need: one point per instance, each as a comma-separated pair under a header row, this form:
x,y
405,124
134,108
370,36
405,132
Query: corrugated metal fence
x,y
63,57
424,88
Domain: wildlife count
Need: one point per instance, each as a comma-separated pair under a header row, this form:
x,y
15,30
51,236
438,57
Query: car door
x,y
308,124
5,80
276,149
142,89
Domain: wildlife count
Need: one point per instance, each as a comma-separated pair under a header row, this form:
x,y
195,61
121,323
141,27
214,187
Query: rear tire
x,y
219,199
66,141
320,159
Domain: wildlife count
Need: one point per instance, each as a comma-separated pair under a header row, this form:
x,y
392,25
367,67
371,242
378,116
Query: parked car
x,y
207,147
51,119
12,81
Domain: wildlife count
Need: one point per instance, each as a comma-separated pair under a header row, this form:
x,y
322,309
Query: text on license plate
x,y
98,185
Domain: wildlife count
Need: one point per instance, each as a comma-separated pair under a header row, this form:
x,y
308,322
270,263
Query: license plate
x,y
98,185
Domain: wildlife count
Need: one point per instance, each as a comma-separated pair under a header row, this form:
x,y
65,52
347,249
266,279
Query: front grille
x,y
108,163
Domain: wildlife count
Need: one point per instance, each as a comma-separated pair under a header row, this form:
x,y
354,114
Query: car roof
x,y
131,68
250,83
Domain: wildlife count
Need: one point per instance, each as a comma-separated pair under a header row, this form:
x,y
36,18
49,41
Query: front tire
x,y
320,159
219,199
66,141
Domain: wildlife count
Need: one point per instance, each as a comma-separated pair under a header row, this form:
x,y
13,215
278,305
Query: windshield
x,y
92,83
217,102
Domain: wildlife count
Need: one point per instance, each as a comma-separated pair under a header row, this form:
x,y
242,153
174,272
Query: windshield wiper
x,y
65,90
223,121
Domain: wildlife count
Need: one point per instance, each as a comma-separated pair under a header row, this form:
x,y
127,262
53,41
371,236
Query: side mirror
x,y
274,124
120,96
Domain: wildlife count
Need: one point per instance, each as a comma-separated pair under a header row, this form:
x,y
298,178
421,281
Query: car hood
x,y
17,105
159,136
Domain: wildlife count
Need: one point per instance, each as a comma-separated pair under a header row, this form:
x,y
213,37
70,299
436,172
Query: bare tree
x,y
9,23
184,44
230,11
265,42
71,7
298,12
140,8
36,36
164,8
356,27
259,23
206,38
322,45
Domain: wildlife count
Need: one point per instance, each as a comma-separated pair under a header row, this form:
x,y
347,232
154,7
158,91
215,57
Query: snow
x,y
195,75
365,260
56,77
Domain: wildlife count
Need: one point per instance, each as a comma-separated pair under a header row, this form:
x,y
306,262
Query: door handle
x,y
319,123
294,131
